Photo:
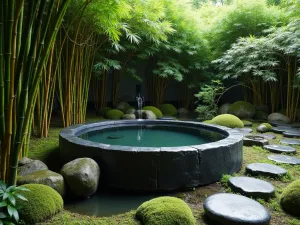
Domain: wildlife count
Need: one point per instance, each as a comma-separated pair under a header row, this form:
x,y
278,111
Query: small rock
x,y
128,117
262,128
148,115
278,117
82,176
46,177
30,166
224,108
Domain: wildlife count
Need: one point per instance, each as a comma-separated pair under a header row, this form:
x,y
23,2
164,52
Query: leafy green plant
x,y
8,205
208,103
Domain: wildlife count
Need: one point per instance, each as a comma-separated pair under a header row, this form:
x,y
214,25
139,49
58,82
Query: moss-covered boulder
x,y
103,111
261,128
242,109
223,109
290,198
130,111
114,114
168,110
228,120
128,117
165,211
123,106
155,110
82,176
28,166
278,118
207,121
43,203
46,177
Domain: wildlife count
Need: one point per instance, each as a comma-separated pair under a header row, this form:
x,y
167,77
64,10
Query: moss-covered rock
x,y
207,121
165,211
46,177
114,114
228,120
82,176
123,106
155,110
43,202
168,110
148,115
279,118
103,111
128,117
268,126
242,109
130,111
28,166
290,198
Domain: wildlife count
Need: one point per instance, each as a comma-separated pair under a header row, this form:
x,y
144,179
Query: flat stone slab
x,y
224,209
280,148
290,141
284,159
251,140
292,134
280,130
166,118
267,136
265,169
244,130
252,187
291,125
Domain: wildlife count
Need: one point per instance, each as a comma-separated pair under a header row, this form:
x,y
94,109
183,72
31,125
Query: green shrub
x,y
290,198
242,109
228,120
168,110
155,110
268,126
103,111
43,202
114,114
165,211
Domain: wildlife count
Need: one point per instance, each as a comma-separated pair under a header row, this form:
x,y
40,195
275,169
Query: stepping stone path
x,y
166,118
252,187
244,131
265,169
251,140
291,125
284,159
290,141
281,130
224,209
267,136
292,133
280,149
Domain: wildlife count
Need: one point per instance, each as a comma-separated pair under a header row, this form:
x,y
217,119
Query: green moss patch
x,y
228,120
155,110
43,202
165,211
114,114
168,110
290,198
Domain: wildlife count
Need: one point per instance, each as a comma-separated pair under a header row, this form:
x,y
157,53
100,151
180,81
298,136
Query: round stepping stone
x,y
290,141
244,131
291,125
251,140
265,169
224,209
267,136
280,149
292,134
252,187
280,130
284,159
166,118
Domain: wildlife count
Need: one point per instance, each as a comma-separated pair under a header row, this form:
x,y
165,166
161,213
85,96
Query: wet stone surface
x,y
267,136
284,159
292,133
251,140
265,169
281,130
224,209
280,149
290,141
244,131
252,187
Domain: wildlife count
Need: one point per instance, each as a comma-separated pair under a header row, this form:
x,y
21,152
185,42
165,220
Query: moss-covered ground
x,y
47,151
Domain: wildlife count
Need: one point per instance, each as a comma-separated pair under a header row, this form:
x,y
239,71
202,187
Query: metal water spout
x,y
140,102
